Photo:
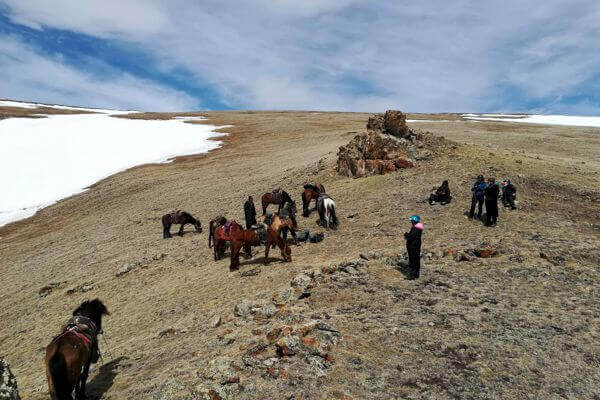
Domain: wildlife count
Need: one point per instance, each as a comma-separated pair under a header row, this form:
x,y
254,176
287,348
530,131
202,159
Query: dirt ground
x,y
513,326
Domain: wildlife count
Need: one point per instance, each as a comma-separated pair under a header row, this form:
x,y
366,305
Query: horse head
x,y
198,226
94,310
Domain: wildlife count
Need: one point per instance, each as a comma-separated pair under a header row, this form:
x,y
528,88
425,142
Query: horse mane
x,y
92,309
189,216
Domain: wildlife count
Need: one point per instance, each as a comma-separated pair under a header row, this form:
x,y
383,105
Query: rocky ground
x,y
340,321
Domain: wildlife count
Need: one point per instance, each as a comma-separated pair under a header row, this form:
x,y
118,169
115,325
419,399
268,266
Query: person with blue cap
x,y
413,246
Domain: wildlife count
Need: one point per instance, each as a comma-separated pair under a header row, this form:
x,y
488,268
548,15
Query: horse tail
x,y
57,365
210,232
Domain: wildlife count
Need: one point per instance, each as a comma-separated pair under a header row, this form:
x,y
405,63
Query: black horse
x,y
179,217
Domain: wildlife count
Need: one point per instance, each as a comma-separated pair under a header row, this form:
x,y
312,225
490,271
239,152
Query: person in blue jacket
x,y
478,190
413,246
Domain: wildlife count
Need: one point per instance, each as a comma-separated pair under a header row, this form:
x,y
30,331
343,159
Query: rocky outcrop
x,y
387,146
8,383
372,153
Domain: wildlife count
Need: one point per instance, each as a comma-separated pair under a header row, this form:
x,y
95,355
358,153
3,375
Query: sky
x,y
539,56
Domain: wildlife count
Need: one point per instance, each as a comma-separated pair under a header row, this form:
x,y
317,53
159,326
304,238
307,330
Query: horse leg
x,y
235,256
321,215
81,382
180,233
247,251
264,207
267,248
305,205
166,231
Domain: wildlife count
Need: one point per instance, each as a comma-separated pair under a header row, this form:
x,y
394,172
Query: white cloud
x,y
352,55
27,75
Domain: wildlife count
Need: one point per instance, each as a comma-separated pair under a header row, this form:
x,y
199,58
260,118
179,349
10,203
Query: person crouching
x,y
413,246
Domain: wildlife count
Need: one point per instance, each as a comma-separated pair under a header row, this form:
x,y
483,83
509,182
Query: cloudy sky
x,y
419,56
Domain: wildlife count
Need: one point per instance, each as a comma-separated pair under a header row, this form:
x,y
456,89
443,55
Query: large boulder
x,y
8,383
373,153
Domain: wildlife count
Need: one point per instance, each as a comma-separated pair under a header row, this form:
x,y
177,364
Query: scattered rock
x,y
84,287
282,297
215,321
485,251
124,269
242,309
251,272
461,256
8,383
287,346
353,215
46,290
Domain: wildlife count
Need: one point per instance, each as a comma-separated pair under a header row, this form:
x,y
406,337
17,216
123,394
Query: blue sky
x,y
346,55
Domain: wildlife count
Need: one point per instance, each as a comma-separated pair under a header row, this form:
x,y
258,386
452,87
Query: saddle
x,y
227,227
82,327
268,219
175,215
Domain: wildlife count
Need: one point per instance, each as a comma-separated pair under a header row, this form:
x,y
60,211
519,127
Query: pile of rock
x,y
8,383
387,146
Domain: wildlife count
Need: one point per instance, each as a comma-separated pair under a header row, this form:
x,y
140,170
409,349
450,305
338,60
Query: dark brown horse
x,y
214,224
179,217
310,193
241,238
280,198
69,355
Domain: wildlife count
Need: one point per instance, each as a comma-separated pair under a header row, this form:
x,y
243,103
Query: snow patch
x,y
48,159
564,120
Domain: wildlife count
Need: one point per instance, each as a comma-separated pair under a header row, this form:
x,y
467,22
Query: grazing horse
x,y
310,193
214,224
69,355
246,238
280,199
283,222
326,208
179,217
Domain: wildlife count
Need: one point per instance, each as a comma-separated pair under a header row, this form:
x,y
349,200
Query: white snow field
x,y
43,160
567,120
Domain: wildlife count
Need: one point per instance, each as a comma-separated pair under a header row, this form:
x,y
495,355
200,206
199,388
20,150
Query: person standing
x,y
478,190
492,191
250,212
413,246
509,194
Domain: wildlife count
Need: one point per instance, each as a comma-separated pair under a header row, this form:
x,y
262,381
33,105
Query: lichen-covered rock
x,y
8,383
372,153
242,309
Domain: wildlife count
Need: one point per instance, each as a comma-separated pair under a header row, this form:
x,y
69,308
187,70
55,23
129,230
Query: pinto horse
x,y
214,224
310,193
241,238
275,198
70,354
179,217
326,209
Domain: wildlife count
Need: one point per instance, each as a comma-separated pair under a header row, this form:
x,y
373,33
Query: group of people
x,y
489,192
483,192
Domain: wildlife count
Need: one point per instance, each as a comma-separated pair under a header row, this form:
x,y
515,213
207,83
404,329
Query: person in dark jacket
x,y
441,195
413,246
492,192
509,194
478,190
250,212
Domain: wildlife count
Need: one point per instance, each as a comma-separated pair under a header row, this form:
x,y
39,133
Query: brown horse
x,y
69,355
246,238
310,193
283,222
179,217
214,224
280,199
